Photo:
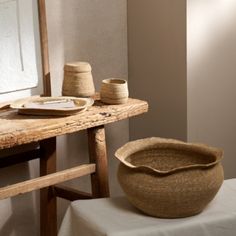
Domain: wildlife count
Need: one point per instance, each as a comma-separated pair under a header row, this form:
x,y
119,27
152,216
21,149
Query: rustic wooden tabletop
x,y
16,129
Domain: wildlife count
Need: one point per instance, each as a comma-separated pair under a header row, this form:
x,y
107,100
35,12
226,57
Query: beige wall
x,y
212,76
83,30
157,66
78,30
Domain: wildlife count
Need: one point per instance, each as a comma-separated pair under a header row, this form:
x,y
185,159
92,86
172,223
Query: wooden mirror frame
x,y
44,47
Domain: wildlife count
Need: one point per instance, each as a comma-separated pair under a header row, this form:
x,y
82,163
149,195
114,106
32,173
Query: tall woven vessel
x,y
168,178
78,80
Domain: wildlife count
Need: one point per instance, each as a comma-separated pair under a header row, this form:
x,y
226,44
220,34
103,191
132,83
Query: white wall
x,y
212,76
94,31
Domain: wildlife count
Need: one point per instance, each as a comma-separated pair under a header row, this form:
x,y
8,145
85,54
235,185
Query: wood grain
x,y
98,155
45,181
21,129
48,201
44,47
70,194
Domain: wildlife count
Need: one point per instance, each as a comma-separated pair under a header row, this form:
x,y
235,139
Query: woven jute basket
x,y
167,178
114,91
78,80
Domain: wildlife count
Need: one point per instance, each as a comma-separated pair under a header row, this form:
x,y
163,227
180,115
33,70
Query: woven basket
x,y
78,80
169,178
114,91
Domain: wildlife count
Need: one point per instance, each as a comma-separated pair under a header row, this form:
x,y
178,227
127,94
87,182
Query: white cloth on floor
x,y
116,217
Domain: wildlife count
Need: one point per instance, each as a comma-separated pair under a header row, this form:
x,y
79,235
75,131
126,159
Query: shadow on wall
x,y
211,76
17,213
157,66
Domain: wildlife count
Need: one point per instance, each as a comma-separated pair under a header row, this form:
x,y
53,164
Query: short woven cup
x,y
169,178
114,91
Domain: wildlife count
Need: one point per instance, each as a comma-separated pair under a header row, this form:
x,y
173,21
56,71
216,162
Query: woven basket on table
x,y
78,80
114,91
169,178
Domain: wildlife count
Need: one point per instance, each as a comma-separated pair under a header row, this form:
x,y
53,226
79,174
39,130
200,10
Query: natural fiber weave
x,y
114,91
78,80
78,66
169,178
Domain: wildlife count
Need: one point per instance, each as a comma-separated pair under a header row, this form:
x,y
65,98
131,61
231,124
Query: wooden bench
x,y
18,131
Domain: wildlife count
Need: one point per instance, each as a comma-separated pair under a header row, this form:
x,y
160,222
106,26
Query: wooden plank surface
x,y
45,181
21,129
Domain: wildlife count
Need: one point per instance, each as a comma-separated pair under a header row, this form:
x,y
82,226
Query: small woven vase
x,y
168,178
114,91
78,80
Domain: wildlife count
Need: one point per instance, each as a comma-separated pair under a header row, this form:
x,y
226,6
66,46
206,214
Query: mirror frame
x,y
44,48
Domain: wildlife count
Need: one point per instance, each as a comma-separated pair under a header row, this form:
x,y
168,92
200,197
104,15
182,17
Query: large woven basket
x,y
169,178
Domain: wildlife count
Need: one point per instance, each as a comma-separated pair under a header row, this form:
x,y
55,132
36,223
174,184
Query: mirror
x,y
23,47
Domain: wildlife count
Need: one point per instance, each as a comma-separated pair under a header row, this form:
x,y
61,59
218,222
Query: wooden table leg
x,y
98,155
48,206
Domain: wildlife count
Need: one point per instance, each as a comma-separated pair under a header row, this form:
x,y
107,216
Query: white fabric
x,y
116,217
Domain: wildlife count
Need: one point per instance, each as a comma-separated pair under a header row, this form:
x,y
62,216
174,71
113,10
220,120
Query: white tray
x,y
56,106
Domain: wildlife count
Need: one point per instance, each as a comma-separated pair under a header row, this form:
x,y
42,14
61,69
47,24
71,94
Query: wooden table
x,y
19,131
